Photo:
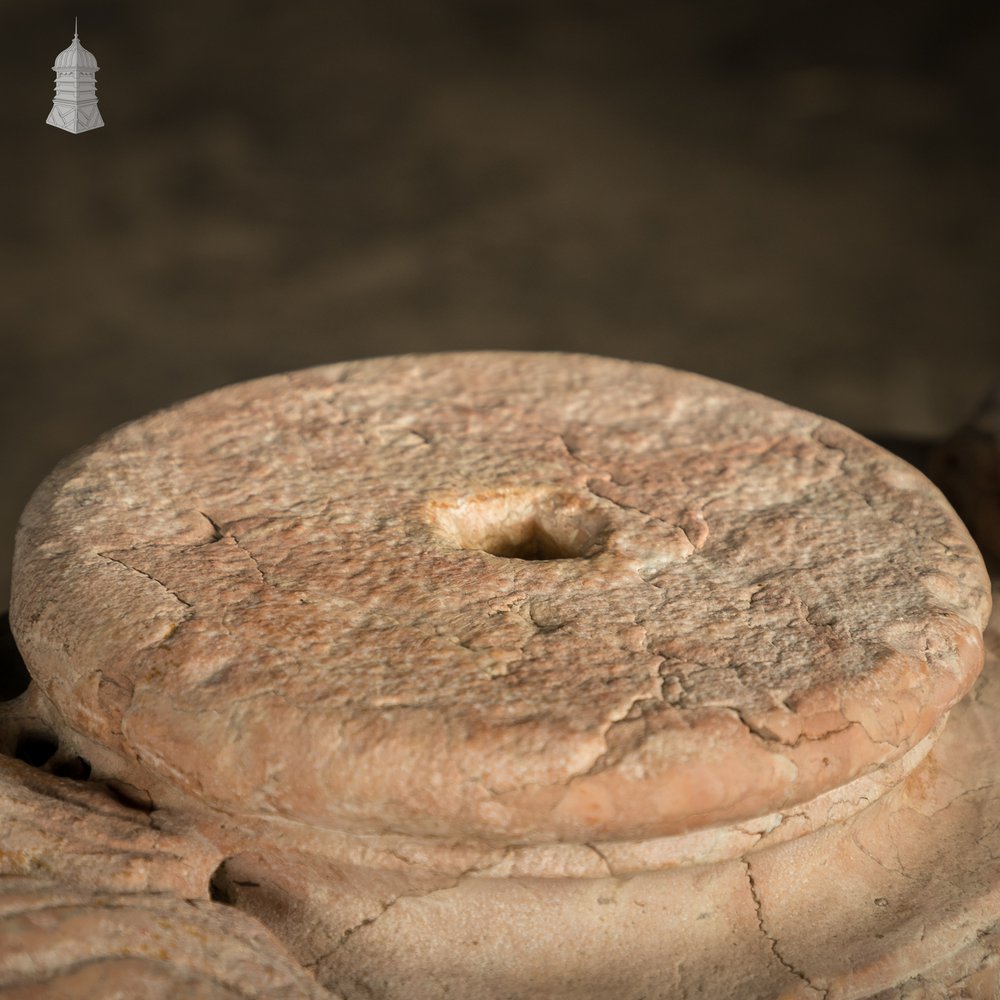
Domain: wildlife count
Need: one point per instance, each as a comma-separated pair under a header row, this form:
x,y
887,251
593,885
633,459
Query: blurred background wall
x,y
802,198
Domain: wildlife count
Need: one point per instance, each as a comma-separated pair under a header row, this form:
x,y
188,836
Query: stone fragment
x,y
81,835
59,943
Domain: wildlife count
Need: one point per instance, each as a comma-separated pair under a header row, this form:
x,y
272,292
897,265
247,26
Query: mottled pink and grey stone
x,y
900,901
500,676
504,598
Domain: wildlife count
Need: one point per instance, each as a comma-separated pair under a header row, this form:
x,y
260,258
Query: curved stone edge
x,y
900,900
570,801
448,858
903,892
972,974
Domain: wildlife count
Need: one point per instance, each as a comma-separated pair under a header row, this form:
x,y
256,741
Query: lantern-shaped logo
x,y
75,106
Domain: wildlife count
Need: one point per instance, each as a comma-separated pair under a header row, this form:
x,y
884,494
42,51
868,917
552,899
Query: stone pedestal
x,y
510,676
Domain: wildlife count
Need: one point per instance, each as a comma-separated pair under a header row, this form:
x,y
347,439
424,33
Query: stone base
x,y
228,704
900,901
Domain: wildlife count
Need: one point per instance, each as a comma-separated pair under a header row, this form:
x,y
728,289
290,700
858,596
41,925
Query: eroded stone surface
x,y
911,883
899,901
58,943
78,833
105,900
508,597
897,897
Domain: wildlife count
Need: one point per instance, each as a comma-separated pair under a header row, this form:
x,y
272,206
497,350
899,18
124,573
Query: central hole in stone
x,y
532,542
522,525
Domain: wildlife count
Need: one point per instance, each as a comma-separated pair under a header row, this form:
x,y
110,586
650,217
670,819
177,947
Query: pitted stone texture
x,y
905,897
301,596
63,944
898,902
901,902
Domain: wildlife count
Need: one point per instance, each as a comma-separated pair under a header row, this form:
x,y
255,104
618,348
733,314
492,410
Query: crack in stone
x,y
347,934
687,536
766,737
755,895
868,854
660,679
985,836
606,476
253,559
756,730
576,458
990,786
219,533
636,510
601,761
159,583
603,857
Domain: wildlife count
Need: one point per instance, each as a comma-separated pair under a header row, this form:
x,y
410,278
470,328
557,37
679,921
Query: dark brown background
x,y
800,198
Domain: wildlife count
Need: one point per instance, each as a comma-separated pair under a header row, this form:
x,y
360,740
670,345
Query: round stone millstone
x,y
503,597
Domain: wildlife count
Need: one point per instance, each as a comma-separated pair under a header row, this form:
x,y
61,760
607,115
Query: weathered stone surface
x,y
59,943
104,900
78,833
971,974
500,677
901,900
911,885
512,598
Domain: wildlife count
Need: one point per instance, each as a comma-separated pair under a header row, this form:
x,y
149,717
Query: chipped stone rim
x,y
32,712
591,793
